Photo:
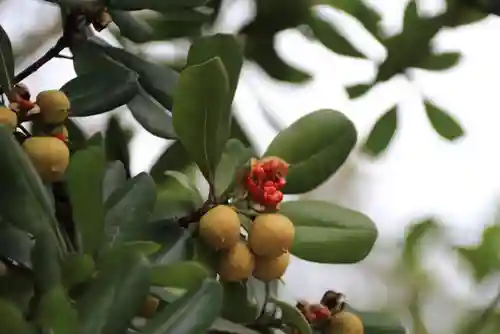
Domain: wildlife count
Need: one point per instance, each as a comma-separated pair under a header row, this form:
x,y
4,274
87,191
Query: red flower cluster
x,y
265,180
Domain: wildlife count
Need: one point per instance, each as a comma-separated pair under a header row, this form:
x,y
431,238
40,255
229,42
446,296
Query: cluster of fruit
x,y
46,146
263,254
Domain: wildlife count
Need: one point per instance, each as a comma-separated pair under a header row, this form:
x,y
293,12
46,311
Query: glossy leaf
x,y
174,158
116,143
6,62
89,58
16,245
175,247
328,233
224,46
115,295
382,133
13,320
85,92
192,314
444,124
17,287
331,38
315,146
132,203
77,137
76,268
153,117
132,27
185,275
237,307
114,178
235,155
261,50
24,201
293,317
45,259
440,61
201,115
378,322
158,5
85,176
56,314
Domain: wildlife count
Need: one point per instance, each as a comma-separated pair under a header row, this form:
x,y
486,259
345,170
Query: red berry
x,y
322,313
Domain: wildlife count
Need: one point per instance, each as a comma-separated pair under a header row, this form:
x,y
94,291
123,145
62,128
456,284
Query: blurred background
x,y
420,175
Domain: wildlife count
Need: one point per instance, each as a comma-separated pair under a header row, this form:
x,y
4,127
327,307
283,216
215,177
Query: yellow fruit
x,y
237,263
345,323
49,156
268,269
149,307
54,106
220,227
8,117
271,235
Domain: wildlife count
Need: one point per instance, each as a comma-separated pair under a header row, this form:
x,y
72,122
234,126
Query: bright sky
x,y
420,174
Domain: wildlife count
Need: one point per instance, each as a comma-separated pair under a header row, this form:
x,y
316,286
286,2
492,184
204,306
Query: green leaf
x,y
132,27
331,38
153,117
444,124
224,46
144,247
358,90
378,322
89,58
77,137
234,156
329,233
201,115
85,92
413,240
224,326
185,275
440,61
17,287
24,201
116,141
157,5
114,178
157,80
174,158
133,203
16,245
192,314
176,245
261,50
76,268
177,197
382,133
315,146
56,314
6,62
85,176
46,267
237,307
293,317
116,294
13,320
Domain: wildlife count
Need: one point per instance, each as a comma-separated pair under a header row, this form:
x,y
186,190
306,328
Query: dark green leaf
x,y
315,146
89,58
261,50
144,247
234,156
56,314
16,245
86,91
176,245
378,322
328,233
116,294
358,90
465,14
132,27
331,38
116,143
114,178
132,203
158,5
96,140
153,117
192,314
16,286
177,24
45,259
76,135
24,201
382,133
293,317
6,62
201,116
224,46
13,320
85,176
226,326
440,61
185,275
237,306
174,158
444,124
76,268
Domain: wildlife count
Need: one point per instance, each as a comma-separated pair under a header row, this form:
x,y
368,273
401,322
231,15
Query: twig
x,y
64,57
